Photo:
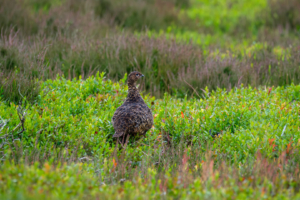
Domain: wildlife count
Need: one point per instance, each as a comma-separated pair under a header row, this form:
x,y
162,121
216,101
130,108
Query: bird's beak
x,y
142,75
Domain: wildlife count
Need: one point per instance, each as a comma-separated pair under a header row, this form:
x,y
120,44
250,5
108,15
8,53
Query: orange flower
x,y
115,163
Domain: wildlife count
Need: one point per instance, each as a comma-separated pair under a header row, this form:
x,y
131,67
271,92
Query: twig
x,y
192,88
203,91
6,135
239,80
21,115
20,92
3,124
283,130
84,158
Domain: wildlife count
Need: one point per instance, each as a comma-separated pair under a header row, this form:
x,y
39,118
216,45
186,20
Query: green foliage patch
x,y
77,114
195,147
78,181
206,143
227,16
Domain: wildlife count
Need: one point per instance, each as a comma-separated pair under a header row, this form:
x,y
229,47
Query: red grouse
x,y
133,118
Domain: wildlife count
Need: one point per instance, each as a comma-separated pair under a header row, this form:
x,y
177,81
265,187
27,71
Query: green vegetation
x,y
77,181
248,118
71,122
226,16
221,77
187,46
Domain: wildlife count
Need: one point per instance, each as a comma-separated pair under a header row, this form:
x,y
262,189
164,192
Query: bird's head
x,y
134,76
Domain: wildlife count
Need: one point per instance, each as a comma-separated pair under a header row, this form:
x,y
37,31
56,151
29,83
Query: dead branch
x,y
192,88
21,115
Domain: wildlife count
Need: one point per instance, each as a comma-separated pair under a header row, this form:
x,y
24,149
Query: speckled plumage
x,y
134,117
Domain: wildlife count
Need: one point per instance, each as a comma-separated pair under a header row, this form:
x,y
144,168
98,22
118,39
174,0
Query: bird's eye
x,y
137,74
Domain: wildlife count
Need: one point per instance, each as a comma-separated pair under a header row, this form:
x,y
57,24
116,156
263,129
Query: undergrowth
x,y
187,46
221,78
61,146
66,112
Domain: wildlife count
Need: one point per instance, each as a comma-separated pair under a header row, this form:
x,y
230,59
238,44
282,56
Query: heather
x,y
221,78
181,50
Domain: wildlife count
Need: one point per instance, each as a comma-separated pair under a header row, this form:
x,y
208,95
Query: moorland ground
x,y
221,78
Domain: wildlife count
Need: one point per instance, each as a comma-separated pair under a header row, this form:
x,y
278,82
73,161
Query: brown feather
x,y
134,117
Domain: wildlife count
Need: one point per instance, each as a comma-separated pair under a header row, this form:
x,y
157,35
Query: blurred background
x,y
182,46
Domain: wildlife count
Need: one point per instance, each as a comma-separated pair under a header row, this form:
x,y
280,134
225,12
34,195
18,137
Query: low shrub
x,y
77,115
15,14
178,173
284,15
139,15
232,16
169,66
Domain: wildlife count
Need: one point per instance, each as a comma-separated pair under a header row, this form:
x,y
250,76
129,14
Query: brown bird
x,y
133,118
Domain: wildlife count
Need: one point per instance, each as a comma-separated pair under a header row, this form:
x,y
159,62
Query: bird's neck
x,y
131,86
133,93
